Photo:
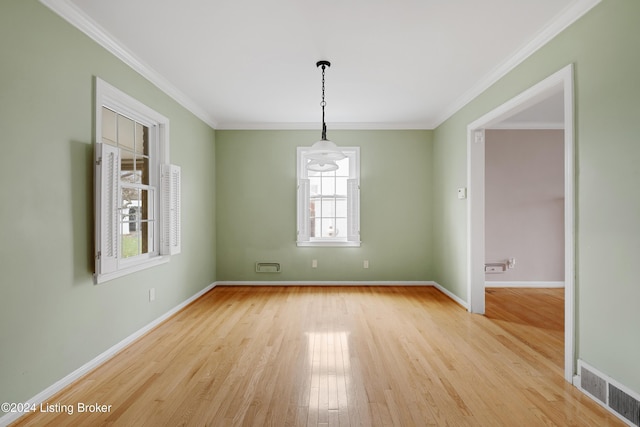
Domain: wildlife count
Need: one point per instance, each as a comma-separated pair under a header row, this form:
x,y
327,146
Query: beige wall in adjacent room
x,y
524,204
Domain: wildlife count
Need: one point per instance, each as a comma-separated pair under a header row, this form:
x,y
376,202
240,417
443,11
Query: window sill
x,y
329,244
158,260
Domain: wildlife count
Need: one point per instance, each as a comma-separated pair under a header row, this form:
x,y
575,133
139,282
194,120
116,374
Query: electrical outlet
x,y
365,264
152,294
314,263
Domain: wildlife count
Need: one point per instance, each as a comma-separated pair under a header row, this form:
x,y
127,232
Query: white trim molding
x,y
322,283
436,285
67,10
101,358
565,18
331,125
451,295
523,284
74,15
559,82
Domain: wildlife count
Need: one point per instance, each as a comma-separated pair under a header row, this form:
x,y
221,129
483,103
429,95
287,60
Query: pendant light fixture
x,y
324,153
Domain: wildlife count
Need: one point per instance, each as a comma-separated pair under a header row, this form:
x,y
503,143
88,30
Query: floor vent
x,y
621,401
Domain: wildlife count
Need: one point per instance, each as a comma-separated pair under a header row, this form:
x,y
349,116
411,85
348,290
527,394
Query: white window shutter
x,y
304,232
170,208
107,175
353,209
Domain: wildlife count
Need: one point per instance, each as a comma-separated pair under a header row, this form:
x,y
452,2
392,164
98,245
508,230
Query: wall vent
x,y
619,400
596,386
267,267
624,404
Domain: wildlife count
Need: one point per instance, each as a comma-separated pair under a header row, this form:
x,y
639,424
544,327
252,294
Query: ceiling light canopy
x,y
324,153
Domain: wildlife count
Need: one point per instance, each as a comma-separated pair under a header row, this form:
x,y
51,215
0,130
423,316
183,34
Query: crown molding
x,y
330,126
564,19
73,15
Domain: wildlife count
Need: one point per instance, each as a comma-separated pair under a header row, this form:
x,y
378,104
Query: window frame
x,y
107,194
303,233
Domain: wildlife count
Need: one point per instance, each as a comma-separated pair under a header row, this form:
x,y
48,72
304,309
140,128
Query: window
x,y
137,191
329,202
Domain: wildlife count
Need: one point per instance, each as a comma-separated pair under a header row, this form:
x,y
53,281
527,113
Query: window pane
x,y
145,237
314,208
130,198
343,167
130,245
328,185
328,207
142,170
135,228
315,227
127,167
142,135
314,184
341,227
142,205
126,133
328,227
341,208
341,186
129,214
108,126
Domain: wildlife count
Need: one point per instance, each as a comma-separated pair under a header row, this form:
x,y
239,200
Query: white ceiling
x,y
250,64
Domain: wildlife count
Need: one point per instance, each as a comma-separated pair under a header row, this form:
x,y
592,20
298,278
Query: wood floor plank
x,y
340,356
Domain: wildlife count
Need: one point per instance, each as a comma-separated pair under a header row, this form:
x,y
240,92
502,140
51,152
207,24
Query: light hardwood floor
x,y
348,356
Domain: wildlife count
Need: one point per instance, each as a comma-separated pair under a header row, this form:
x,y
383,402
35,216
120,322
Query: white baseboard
x,y
323,283
100,359
523,284
348,283
451,295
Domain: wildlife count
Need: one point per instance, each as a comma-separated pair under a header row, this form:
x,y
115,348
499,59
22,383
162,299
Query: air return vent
x,y
596,386
624,404
267,267
616,398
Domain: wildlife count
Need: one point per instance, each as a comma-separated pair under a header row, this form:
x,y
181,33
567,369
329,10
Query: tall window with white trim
x,y
136,191
328,208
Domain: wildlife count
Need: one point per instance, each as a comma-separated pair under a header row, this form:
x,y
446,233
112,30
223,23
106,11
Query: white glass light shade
x,y
325,151
322,166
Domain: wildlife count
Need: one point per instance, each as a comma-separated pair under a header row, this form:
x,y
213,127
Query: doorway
x,y
559,82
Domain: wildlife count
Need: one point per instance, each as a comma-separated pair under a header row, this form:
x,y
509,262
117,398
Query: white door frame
x,y
559,81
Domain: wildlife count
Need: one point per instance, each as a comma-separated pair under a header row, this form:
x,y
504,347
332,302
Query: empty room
x,y
294,213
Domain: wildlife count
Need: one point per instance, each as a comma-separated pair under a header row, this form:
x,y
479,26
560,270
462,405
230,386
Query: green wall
x,y
603,45
256,199
238,201
53,319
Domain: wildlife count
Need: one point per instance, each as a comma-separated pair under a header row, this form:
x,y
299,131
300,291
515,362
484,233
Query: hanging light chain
x,y
323,155
323,103
324,65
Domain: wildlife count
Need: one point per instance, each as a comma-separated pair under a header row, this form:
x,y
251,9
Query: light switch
x,y
462,193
